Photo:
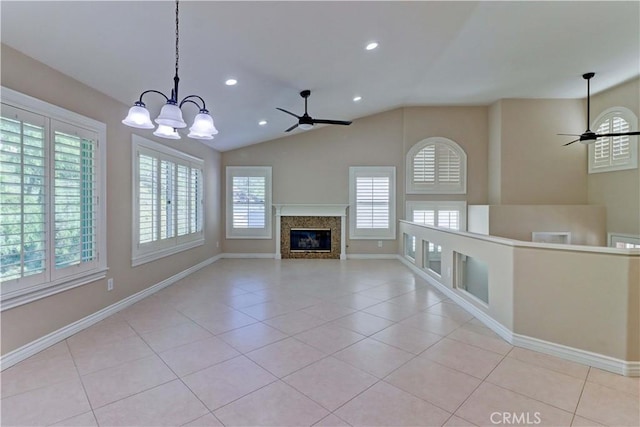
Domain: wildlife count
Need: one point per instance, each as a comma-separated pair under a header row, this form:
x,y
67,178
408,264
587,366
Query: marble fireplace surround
x,y
311,210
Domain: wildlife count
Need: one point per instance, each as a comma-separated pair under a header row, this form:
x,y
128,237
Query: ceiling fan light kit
x,y
589,136
170,118
306,122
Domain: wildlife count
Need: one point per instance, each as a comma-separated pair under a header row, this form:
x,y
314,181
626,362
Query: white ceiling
x,y
430,53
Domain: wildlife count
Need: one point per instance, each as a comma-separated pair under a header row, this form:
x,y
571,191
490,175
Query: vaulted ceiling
x,y
429,53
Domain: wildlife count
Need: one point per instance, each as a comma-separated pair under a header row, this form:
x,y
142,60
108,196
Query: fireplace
x,y
311,231
310,240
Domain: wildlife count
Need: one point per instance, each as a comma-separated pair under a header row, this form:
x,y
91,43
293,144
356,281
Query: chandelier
x,y
170,118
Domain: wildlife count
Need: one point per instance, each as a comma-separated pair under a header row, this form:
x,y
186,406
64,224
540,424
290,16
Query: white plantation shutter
x,y
248,202
167,202
372,202
436,165
445,214
148,206
449,219
195,201
182,200
23,195
52,181
169,199
424,165
617,152
249,208
75,201
425,216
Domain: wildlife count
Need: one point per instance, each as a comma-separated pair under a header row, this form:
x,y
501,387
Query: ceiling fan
x,y
305,121
589,136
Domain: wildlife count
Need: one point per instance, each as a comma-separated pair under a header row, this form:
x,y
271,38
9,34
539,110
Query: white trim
x,y
54,282
437,188
634,239
249,233
65,332
160,248
522,244
356,233
161,253
601,361
607,363
43,290
459,205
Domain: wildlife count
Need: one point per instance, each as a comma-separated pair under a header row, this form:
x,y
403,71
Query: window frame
x,y
613,238
632,162
16,292
356,233
249,233
142,253
459,205
413,187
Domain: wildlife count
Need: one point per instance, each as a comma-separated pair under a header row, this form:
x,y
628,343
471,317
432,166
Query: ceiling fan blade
x,y
568,134
292,128
618,134
288,112
569,143
332,122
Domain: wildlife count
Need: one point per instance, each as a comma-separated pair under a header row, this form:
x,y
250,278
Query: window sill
x,y
143,258
43,290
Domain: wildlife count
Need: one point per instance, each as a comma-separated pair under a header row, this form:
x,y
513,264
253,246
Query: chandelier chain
x,y
177,37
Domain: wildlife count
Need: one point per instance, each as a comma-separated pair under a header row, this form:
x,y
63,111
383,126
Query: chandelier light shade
x,y
167,132
138,117
170,118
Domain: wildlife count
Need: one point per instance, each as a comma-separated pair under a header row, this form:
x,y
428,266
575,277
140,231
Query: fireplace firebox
x,y
310,240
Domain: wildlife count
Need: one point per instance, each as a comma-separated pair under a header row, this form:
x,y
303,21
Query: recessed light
x,y
357,98
262,122
231,82
372,46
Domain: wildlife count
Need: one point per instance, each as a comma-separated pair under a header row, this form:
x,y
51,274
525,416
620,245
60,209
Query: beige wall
x,y
313,167
618,191
586,223
28,322
535,167
495,155
579,299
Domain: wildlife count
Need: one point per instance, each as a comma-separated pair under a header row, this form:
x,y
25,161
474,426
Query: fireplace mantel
x,y
312,210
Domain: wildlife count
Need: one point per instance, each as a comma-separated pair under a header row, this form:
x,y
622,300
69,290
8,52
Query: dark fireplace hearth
x,y
310,240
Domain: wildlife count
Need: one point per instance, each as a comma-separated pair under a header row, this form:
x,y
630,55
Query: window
x,y
451,215
617,152
167,201
436,166
52,177
372,202
249,202
624,241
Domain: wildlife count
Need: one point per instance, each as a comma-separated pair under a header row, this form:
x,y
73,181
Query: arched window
x,y
616,152
436,166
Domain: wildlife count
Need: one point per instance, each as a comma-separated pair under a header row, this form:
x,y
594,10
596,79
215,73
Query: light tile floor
x,y
302,342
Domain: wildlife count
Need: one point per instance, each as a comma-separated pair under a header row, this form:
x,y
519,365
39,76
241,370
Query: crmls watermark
x,y
515,418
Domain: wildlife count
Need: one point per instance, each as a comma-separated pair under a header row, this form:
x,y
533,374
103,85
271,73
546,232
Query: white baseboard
x,y
65,332
597,360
